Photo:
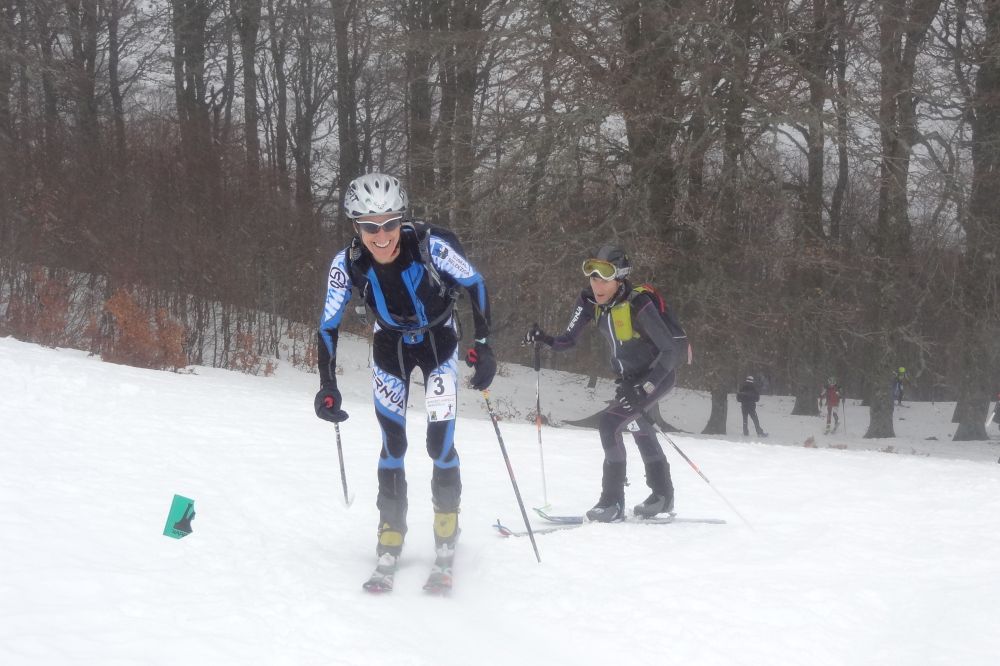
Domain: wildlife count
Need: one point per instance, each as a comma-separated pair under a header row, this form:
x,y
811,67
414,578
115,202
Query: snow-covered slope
x,y
854,557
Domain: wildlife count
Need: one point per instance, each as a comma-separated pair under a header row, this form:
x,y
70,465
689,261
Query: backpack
x,y
669,319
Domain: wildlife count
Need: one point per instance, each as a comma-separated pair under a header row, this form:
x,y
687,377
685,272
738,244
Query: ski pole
x,y
843,414
538,420
510,471
343,472
695,468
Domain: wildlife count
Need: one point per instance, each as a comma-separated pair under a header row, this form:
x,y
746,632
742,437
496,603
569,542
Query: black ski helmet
x,y
615,256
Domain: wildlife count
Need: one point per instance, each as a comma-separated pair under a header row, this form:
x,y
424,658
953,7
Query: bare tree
x,y
979,277
903,26
248,15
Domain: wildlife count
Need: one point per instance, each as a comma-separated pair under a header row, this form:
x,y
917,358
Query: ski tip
x,y
502,530
541,511
376,589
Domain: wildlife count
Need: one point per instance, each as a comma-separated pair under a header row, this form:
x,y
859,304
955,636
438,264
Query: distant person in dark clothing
x,y
747,396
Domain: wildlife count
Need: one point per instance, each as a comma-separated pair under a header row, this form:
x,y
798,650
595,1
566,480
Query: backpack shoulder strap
x,y
650,291
357,269
423,230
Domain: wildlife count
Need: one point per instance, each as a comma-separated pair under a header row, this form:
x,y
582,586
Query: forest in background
x,y
812,184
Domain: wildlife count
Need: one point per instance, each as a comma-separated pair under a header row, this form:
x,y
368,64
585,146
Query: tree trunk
x,y
806,403
448,81
278,32
468,24
247,14
647,95
7,144
902,29
417,56
816,67
114,81
880,407
720,412
982,228
841,106
733,125
547,119
347,115
83,37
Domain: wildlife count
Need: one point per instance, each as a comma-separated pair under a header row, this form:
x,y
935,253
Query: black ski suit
x,y
747,396
646,359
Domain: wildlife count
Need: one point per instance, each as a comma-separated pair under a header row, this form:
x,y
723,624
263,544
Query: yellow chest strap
x,y
621,319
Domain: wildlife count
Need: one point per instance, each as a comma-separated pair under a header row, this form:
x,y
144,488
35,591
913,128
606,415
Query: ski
x,y
569,522
666,518
380,582
505,531
439,582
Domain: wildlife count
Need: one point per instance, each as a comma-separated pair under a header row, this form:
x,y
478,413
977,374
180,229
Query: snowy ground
x,y
855,556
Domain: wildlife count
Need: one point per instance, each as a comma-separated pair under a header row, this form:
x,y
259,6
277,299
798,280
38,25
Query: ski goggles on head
x,y
603,269
374,227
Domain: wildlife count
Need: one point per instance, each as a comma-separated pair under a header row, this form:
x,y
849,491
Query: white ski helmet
x,y
374,194
750,379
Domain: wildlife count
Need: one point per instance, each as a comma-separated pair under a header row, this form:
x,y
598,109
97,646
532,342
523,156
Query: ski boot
x,y
446,487
607,511
446,533
382,578
662,498
611,505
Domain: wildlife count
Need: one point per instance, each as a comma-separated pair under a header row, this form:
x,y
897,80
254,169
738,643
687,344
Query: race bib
x,y
440,397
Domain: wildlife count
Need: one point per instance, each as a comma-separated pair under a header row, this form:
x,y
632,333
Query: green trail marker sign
x,y
179,519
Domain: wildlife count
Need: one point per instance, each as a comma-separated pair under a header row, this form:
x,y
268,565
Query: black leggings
x,y
751,411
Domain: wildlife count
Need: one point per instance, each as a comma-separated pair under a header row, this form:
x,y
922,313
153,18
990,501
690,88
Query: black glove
x,y
481,358
630,396
536,334
328,405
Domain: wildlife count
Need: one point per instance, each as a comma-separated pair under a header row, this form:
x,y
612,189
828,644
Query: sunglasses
x,y
603,269
373,227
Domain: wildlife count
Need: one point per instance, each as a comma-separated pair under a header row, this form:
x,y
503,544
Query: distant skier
x,y
996,411
747,396
647,345
831,395
409,274
898,379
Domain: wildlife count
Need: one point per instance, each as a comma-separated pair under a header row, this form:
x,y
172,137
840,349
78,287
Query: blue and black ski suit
x,y
412,299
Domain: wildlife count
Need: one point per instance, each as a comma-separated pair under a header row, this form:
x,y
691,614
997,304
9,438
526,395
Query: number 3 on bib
x,y
440,394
